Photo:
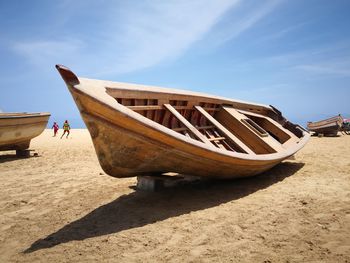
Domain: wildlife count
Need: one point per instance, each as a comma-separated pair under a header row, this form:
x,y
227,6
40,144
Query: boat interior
x,y
232,126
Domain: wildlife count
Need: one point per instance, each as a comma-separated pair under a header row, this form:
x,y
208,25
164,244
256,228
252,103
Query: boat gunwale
x,y
122,86
334,119
13,115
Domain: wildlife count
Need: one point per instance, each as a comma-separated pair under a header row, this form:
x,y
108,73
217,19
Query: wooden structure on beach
x,y
17,129
327,127
141,130
346,126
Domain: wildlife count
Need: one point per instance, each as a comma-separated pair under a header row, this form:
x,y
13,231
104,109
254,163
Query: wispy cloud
x,y
164,31
283,32
137,36
245,19
39,51
331,59
321,69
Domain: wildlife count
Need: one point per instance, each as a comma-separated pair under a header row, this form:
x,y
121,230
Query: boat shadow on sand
x,y
13,157
142,208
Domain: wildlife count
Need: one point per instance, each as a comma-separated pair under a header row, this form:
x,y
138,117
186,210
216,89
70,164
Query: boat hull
x,y
328,127
17,129
125,153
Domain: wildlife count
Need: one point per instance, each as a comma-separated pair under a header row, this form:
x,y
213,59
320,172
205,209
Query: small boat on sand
x,y
346,126
327,127
17,129
144,130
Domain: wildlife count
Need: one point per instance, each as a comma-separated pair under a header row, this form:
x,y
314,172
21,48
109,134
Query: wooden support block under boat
x,y
154,183
149,183
23,153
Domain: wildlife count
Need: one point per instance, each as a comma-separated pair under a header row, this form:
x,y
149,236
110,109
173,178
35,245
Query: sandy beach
x,y
61,207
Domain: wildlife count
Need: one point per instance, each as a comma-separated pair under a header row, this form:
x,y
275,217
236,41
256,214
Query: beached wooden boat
x,y
17,129
329,126
140,130
346,126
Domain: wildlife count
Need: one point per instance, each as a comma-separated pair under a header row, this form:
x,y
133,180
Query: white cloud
x,y
331,59
136,35
246,20
162,30
38,52
322,69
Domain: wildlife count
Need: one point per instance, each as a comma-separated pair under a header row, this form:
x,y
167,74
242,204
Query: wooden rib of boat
x,y
140,130
329,126
17,129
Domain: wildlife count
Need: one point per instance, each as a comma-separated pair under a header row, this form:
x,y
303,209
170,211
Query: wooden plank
x,y
214,140
255,127
140,102
145,107
217,139
187,124
160,107
165,121
197,127
226,132
205,127
271,125
234,121
180,129
149,114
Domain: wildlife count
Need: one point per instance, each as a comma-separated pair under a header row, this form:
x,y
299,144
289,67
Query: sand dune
x,y
61,207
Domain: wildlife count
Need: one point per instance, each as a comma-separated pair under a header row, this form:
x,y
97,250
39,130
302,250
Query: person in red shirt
x,y
55,129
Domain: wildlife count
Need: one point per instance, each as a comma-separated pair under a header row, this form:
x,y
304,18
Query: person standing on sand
x,y
66,128
55,129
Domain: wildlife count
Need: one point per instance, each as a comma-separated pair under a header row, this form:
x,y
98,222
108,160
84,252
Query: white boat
x,y
17,129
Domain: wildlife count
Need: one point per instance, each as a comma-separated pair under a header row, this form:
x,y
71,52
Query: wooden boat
x,y
17,129
346,126
329,126
140,130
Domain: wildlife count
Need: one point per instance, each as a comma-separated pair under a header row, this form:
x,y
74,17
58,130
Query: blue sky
x,y
294,55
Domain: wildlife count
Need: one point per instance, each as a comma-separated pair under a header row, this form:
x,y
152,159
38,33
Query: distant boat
x,y
17,129
141,130
329,126
346,126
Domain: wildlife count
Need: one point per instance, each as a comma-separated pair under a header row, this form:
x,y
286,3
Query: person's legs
x,y
67,134
63,134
